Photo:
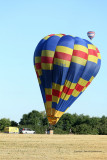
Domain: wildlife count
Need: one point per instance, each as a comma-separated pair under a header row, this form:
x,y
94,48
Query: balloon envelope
x,y
65,66
91,34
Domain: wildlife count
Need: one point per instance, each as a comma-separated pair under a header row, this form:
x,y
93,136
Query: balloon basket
x,y
50,131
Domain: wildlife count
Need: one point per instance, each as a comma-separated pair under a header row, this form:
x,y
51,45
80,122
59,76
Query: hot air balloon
x,y
65,66
91,34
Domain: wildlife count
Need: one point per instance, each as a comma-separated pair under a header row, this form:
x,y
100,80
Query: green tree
x,y
24,120
14,124
65,122
79,124
103,126
81,119
33,119
4,123
103,130
82,129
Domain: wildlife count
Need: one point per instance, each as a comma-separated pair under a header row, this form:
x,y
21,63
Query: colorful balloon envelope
x,y
65,66
91,34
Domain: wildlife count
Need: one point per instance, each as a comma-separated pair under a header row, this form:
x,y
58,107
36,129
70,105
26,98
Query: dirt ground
x,y
57,147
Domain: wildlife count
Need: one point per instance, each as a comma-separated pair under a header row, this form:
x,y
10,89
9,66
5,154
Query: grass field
x,y
57,147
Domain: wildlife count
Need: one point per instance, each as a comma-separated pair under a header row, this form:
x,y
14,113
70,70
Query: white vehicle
x,y
26,131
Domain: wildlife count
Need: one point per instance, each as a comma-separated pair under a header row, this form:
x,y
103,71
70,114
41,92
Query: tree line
x,y
68,123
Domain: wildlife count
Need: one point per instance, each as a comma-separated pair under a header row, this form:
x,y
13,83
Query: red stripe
x,y
88,84
37,74
91,32
97,50
51,35
48,97
79,87
67,90
92,52
56,93
46,59
80,54
63,56
38,65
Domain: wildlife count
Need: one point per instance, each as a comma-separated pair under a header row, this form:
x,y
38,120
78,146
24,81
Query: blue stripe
x,y
99,62
87,42
59,74
75,71
43,93
80,41
46,78
63,105
89,70
97,67
51,43
67,41
39,48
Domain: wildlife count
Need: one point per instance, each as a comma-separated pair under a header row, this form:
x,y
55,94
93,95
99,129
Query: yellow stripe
x,y
70,84
58,113
46,37
84,89
82,82
90,46
80,48
71,35
37,59
53,120
35,67
79,60
65,96
61,62
54,113
48,104
64,49
92,58
91,78
48,53
55,99
57,86
39,72
59,35
48,91
47,66
39,80
99,56
75,93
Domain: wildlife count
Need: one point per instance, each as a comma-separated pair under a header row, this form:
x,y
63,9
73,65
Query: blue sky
x,y
22,25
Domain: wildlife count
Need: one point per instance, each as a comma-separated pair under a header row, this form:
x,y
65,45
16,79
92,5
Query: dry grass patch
x,y
58,147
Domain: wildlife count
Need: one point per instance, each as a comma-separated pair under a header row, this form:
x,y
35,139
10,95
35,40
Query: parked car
x,y
26,131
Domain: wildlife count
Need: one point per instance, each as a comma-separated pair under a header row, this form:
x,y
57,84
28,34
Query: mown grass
x,y
48,147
